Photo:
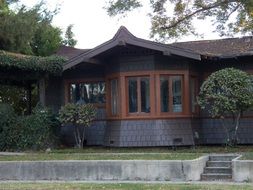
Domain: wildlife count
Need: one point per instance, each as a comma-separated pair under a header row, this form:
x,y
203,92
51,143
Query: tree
x,y
79,115
29,31
174,18
47,39
225,93
69,37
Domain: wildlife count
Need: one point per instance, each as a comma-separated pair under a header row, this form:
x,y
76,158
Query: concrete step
x,y
221,158
216,177
218,164
219,170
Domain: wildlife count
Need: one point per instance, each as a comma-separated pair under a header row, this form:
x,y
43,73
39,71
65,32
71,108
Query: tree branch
x,y
204,8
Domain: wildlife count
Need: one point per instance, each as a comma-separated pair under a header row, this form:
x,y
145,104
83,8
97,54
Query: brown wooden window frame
x,y
170,98
109,97
139,106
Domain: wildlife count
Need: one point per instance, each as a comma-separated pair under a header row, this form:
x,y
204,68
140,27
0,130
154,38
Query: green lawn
x,y
103,153
121,186
94,156
247,156
197,149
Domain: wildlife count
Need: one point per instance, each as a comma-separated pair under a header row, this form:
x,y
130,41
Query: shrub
x,y
8,122
81,116
34,131
37,130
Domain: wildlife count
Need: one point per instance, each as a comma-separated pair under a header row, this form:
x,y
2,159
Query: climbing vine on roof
x,y
52,64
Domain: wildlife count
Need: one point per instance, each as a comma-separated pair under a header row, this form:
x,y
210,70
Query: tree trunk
x,y
237,123
83,136
78,137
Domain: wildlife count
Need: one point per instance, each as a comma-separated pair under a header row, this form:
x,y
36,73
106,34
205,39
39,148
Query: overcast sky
x,y
92,25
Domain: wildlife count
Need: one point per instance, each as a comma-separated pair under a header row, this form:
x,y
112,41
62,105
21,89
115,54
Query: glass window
x,y
145,95
164,91
114,96
171,93
82,93
139,94
132,94
177,93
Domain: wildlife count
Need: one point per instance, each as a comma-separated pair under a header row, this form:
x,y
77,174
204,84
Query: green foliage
x,y
37,130
26,132
69,37
120,7
28,31
8,120
79,115
51,65
226,93
172,18
47,39
17,97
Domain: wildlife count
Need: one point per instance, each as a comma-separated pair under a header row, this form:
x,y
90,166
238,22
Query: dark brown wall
x,y
54,93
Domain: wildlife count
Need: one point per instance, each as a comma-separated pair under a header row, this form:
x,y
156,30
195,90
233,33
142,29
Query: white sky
x,y
92,25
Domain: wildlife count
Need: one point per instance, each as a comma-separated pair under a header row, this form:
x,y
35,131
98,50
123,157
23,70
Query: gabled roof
x,y
124,37
222,48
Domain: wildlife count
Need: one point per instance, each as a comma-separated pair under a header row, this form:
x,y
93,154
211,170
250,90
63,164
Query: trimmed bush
x,y
79,115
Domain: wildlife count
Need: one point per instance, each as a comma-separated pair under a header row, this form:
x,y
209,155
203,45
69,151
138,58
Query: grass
x,y
196,149
247,156
120,186
94,156
105,153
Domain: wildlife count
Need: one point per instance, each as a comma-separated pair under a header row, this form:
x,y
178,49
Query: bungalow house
x,y
146,91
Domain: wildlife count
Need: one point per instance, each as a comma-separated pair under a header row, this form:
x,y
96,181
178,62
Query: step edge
x,y
218,167
216,174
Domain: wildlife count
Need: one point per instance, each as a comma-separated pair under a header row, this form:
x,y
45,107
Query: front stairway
x,y
218,168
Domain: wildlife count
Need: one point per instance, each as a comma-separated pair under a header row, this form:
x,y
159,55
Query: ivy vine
x,y
52,64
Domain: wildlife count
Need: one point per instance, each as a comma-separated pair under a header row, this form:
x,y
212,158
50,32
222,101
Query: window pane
x,y
101,92
114,97
73,93
177,94
145,95
132,94
83,98
83,93
164,89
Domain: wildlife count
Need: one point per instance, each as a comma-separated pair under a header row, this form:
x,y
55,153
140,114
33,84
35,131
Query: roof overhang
x,y
122,38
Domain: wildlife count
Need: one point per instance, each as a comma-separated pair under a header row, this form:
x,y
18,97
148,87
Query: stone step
x,y
216,177
220,170
221,158
218,164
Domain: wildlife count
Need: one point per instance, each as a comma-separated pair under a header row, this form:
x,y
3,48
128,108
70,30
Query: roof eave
x,y
123,37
